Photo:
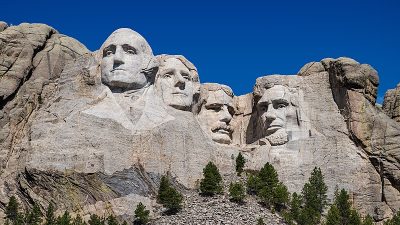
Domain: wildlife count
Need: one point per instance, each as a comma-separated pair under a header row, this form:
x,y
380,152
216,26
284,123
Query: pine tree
x,y
95,220
280,196
78,220
252,184
240,161
309,216
314,198
269,189
211,184
34,217
368,220
333,217
174,201
124,223
111,220
236,192
50,220
343,205
169,197
295,207
65,219
12,209
260,221
162,191
266,183
396,219
141,214
268,177
354,218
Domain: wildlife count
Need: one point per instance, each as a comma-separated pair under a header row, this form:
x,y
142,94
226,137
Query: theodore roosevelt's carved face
x,y
124,56
272,109
216,113
177,83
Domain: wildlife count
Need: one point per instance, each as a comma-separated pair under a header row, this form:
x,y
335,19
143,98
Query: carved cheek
x,y
281,114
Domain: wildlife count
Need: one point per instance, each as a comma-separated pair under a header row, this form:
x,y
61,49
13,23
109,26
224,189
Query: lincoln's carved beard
x,y
279,137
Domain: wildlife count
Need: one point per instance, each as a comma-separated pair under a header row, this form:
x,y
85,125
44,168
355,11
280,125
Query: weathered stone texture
x,y
83,129
391,103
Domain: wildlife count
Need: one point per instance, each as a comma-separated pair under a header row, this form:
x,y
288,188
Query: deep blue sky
x,y
234,42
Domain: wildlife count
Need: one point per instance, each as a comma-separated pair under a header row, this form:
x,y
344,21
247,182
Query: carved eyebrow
x,y
169,70
280,101
213,105
262,103
127,47
109,48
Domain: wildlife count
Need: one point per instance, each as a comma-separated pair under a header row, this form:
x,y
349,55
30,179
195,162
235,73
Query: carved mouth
x,y
179,93
117,69
223,130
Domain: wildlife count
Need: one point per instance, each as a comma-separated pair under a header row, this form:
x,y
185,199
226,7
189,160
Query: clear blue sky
x,y
234,42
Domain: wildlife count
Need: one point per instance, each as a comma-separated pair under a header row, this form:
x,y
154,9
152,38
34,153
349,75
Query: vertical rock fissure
x,y
3,102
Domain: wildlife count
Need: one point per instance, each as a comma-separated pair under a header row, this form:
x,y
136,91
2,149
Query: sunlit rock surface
x,y
94,131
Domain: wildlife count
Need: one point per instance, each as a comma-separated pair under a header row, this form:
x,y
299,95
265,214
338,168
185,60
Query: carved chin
x,y
279,137
181,103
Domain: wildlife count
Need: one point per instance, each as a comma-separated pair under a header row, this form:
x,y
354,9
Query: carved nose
x,y
270,115
179,81
118,57
226,116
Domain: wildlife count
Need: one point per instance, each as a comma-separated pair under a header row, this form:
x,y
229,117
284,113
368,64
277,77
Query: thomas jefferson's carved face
x,y
272,108
123,56
176,84
215,116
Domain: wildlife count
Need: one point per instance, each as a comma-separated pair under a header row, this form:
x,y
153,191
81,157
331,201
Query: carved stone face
x,y
272,108
175,82
123,55
215,116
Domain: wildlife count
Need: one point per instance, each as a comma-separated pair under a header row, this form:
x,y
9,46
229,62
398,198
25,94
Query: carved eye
x,y
169,74
109,52
263,108
215,108
131,51
281,105
185,76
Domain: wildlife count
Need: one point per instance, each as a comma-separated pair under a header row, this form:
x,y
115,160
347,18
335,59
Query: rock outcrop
x,y
94,131
391,103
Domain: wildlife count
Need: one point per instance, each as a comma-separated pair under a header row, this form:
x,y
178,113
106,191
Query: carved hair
x,y
268,82
206,88
194,75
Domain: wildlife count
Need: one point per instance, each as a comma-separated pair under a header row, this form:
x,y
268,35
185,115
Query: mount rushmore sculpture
x,y
98,129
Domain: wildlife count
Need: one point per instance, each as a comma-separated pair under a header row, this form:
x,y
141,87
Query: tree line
x,y
305,208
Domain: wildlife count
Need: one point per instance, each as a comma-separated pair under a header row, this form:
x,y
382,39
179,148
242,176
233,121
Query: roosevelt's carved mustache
x,y
222,127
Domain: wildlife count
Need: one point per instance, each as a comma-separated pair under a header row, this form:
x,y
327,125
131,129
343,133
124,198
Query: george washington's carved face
x,y
124,55
272,109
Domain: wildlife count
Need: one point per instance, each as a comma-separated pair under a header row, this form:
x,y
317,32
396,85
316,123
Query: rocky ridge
x,y
66,136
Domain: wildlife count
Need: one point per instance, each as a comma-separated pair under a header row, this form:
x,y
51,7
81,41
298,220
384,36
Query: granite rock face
x,y
94,131
391,103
